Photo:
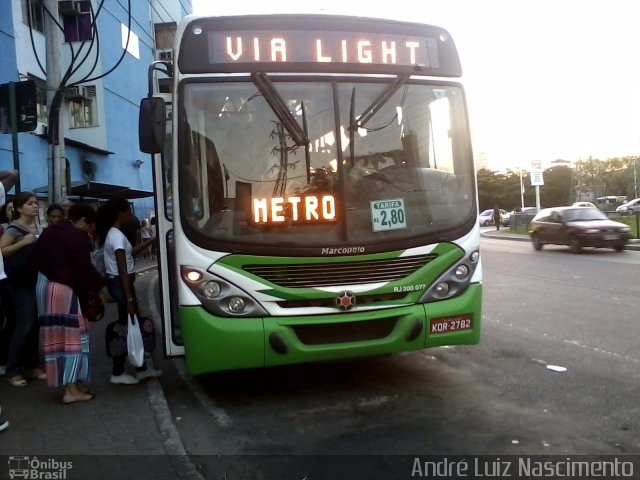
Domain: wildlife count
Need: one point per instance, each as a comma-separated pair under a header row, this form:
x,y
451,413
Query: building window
x,y
33,14
165,35
41,99
82,106
76,20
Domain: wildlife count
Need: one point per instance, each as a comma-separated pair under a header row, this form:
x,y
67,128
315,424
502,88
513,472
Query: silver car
x,y
631,206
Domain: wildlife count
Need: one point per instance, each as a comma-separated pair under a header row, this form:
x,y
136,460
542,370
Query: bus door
x,y
162,153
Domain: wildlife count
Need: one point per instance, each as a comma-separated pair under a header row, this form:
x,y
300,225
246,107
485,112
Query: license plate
x,y
450,324
611,237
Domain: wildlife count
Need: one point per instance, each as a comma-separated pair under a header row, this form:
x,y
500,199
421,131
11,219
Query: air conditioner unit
x,y
68,8
89,91
165,55
42,130
73,92
83,6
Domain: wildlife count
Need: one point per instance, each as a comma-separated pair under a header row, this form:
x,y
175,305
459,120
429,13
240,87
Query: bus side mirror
x,y
151,125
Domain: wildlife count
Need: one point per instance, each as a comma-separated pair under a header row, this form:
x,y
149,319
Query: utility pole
x,y
521,190
635,178
57,164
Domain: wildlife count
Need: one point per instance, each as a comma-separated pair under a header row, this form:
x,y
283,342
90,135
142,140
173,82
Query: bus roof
x,y
314,43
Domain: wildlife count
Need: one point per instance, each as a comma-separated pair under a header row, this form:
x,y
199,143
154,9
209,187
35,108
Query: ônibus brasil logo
x,y
34,468
345,300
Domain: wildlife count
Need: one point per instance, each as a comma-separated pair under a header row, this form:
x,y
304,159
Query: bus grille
x,y
342,273
326,334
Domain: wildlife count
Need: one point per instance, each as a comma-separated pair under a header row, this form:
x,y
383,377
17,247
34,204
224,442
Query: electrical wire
x,y
95,40
163,7
142,28
124,50
33,45
185,8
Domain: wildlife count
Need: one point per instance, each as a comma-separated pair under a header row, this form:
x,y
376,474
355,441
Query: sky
x,y
545,79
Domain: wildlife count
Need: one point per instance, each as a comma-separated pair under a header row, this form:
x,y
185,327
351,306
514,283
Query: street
x,y
556,373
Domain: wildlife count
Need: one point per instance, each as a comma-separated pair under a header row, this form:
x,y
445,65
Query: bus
x,y
315,188
609,203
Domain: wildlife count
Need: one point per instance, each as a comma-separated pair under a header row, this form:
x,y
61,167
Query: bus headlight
x,y
236,305
191,275
454,281
442,288
461,271
219,296
211,289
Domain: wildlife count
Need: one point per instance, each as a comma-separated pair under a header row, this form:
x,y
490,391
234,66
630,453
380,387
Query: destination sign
x,y
322,47
304,209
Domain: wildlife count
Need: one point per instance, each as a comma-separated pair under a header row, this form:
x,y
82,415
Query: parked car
x,y
486,218
577,227
529,210
584,204
630,207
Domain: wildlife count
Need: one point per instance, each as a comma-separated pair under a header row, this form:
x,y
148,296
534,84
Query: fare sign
x,y
280,210
388,215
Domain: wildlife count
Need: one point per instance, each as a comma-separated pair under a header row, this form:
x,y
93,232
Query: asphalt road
x,y
556,373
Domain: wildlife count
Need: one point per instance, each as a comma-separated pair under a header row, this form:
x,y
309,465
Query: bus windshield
x,y
275,161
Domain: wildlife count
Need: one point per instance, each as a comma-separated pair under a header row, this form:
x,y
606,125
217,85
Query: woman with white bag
x,y
119,265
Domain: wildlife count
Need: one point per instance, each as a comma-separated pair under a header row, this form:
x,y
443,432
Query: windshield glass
x,y
404,172
584,214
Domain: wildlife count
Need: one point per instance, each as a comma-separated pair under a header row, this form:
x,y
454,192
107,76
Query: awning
x,y
99,190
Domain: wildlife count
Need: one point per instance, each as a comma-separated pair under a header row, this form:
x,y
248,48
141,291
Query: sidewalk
x,y
506,234
122,420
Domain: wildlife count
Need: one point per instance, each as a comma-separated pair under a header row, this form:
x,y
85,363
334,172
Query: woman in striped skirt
x,y
66,276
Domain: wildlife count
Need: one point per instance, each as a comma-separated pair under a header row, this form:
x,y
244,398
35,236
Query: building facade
x,y
104,61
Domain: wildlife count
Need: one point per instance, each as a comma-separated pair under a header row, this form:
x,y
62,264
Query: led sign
x,y
304,209
322,47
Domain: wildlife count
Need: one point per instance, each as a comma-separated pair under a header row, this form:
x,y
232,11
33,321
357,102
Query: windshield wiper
x,y
273,98
377,104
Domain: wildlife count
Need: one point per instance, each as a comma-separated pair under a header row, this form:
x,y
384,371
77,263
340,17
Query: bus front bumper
x,y
219,343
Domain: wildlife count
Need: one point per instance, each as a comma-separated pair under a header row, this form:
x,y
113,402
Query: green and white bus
x,y
316,190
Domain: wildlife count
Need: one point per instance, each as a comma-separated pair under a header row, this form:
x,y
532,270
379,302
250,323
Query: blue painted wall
x,y
121,92
8,73
123,89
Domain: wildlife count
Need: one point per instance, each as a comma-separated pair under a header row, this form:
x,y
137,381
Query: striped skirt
x,y
64,333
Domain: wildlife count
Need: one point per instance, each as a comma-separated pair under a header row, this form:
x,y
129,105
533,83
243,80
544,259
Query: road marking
x,y
209,405
364,403
219,414
569,342
171,438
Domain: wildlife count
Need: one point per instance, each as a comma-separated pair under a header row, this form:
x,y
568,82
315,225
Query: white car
x,y
630,207
486,217
584,204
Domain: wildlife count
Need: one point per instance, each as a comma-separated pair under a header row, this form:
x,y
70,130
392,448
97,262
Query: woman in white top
x,y
119,265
